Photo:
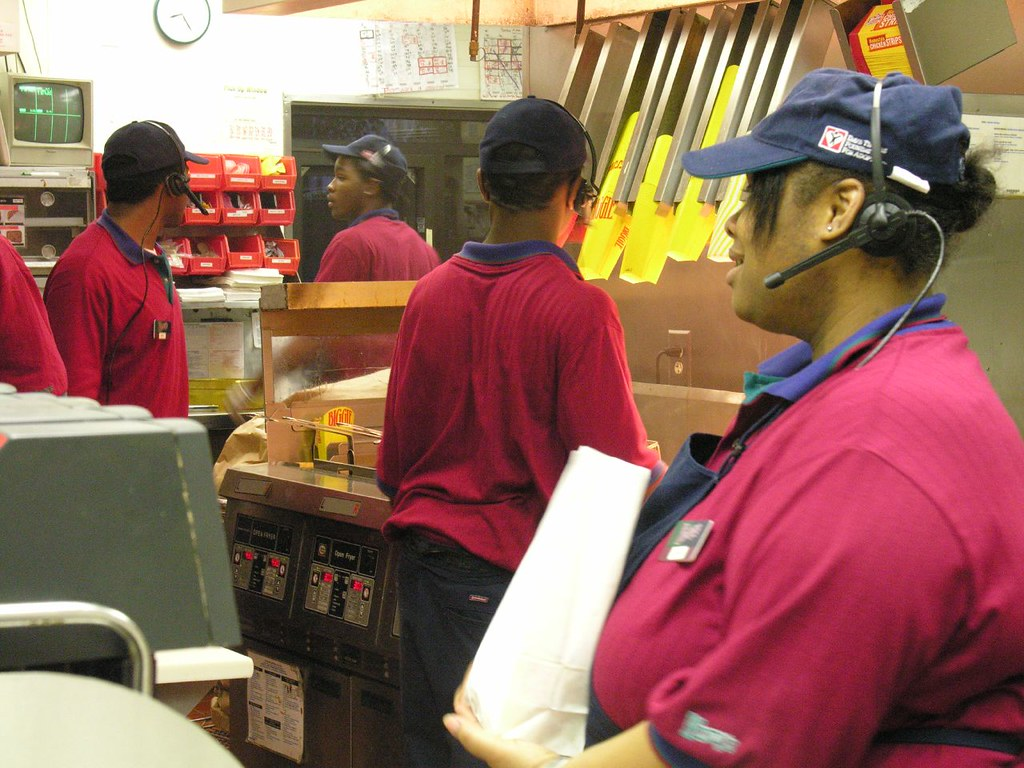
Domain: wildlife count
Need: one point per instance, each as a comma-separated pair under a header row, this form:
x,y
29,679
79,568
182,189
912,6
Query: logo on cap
x,y
833,139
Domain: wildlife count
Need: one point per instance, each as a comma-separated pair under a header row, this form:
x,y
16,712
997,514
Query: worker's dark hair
x,y
524,191
138,188
956,207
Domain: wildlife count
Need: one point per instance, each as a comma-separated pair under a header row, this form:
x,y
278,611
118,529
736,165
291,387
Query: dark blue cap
x,y
144,146
827,118
384,157
546,126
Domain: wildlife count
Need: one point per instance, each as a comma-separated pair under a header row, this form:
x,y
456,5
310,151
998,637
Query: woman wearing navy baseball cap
x,y
837,581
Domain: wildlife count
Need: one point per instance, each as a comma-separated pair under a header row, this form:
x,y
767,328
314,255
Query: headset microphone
x,y
177,184
197,201
860,236
883,218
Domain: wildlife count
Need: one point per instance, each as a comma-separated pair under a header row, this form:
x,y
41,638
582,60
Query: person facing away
x,y
858,602
29,360
506,361
111,301
376,244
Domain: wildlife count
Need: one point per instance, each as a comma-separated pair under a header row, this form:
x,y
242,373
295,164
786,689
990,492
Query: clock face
x,y
182,21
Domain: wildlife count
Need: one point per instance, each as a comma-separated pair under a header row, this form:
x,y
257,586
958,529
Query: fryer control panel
x,y
342,580
260,557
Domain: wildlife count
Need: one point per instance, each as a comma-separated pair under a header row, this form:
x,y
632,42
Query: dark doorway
x,y
440,144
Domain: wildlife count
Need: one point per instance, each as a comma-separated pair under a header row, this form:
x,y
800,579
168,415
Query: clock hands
x,y
182,16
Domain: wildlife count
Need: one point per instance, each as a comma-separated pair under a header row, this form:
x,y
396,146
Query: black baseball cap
x,y
544,125
141,147
384,157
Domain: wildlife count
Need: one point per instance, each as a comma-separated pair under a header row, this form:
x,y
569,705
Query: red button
x,y
328,577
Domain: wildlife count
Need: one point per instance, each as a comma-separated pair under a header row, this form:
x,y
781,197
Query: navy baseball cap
x,y
381,154
827,118
546,126
141,147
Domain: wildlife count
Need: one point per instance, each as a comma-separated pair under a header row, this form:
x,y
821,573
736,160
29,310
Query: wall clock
x,y
182,21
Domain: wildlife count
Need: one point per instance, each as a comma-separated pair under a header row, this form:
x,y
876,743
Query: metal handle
x,y
59,613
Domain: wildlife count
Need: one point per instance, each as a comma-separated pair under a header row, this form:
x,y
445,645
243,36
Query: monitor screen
x,y
48,113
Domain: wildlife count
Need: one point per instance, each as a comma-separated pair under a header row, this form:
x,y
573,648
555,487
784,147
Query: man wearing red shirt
x,y
116,316
376,244
506,362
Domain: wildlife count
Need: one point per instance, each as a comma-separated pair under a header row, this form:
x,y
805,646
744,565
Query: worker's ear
x,y
372,186
842,203
485,193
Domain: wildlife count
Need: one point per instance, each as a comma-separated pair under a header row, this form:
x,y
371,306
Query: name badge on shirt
x,y
161,329
687,540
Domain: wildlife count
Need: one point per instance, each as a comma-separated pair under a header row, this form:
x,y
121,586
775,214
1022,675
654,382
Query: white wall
x,y
137,75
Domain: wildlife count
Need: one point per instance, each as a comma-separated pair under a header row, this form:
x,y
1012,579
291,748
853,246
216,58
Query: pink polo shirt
x,y
29,360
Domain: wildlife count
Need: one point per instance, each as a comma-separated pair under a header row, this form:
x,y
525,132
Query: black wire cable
x,y
108,368
921,294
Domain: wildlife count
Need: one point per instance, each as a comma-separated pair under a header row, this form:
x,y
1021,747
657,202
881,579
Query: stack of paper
x,y
201,296
242,286
248,277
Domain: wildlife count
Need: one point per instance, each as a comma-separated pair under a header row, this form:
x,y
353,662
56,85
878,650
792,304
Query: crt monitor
x,y
46,120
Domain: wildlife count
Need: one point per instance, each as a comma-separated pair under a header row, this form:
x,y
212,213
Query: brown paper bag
x,y
246,445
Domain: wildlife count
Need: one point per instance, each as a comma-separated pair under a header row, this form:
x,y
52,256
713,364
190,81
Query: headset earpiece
x,y
585,196
884,215
177,185
587,192
885,218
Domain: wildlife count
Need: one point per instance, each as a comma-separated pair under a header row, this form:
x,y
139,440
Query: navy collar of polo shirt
x,y
136,254
387,213
799,373
128,247
505,253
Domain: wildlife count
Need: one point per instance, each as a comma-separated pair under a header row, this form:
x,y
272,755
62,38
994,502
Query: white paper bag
x,y
531,676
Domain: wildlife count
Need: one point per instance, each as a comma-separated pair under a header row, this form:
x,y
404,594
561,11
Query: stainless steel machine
x,y
315,586
313,578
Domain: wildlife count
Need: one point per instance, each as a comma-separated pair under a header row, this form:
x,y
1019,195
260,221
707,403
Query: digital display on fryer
x,y
49,113
262,534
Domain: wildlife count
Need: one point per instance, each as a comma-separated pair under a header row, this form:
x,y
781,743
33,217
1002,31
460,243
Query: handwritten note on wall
x,y
501,55
405,57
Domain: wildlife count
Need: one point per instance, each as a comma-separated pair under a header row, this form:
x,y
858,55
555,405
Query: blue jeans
x,y
446,598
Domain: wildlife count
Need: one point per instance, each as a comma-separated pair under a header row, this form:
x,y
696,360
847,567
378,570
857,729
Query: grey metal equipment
x,y
609,88
659,84
109,506
983,28
584,61
64,613
696,108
